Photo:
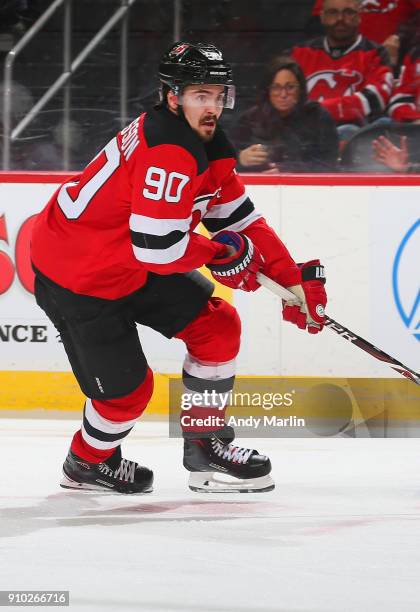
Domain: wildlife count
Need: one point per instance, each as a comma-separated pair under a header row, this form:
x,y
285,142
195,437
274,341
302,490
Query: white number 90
x,y
161,183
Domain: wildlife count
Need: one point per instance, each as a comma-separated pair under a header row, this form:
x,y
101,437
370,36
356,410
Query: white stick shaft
x,y
274,287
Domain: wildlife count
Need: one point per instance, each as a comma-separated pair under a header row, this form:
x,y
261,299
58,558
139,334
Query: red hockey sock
x,y
114,416
85,451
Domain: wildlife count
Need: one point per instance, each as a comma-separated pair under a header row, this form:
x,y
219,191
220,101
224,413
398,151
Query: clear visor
x,y
208,96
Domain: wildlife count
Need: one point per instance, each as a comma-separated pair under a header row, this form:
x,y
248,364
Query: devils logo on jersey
x,y
333,83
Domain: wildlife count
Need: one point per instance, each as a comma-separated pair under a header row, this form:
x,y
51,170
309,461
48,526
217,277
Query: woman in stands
x,y
284,132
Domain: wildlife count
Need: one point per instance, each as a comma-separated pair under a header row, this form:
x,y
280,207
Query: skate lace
x,y
125,471
230,452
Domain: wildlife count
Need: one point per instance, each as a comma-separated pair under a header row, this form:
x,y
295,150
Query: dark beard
x,y
205,138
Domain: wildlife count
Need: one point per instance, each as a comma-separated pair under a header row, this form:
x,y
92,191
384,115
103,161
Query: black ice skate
x,y
116,475
218,466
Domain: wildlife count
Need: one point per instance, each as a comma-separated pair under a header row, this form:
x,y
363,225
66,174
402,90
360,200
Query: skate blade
x,y
214,482
68,483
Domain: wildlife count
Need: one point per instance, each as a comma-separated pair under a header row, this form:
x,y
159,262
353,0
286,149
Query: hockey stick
x,y
345,333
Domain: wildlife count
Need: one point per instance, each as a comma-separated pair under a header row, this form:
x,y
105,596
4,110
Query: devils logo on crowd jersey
x,y
327,84
354,85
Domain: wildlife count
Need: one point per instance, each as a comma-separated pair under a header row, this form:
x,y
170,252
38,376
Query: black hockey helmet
x,y
187,63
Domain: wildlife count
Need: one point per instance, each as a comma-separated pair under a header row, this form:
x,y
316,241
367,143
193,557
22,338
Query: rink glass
x,y
248,36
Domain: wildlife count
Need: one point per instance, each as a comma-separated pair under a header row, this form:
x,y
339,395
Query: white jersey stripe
x,y
158,227
222,211
364,101
243,223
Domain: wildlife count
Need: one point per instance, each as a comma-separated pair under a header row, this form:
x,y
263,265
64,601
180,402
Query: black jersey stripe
x,y
150,241
372,99
216,224
402,99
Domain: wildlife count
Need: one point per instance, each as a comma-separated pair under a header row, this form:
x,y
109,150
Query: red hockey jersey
x,y
405,102
381,18
353,84
135,206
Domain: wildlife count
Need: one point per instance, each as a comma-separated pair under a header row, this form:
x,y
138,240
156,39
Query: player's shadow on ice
x,y
69,509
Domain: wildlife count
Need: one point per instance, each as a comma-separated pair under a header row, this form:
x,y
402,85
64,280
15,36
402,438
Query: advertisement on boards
x,y
395,292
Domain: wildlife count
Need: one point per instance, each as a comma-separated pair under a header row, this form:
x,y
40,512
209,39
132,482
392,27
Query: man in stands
x,y
380,21
116,246
346,72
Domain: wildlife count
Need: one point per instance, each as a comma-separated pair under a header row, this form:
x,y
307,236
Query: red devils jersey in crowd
x,y
405,102
354,84
381,18
135,206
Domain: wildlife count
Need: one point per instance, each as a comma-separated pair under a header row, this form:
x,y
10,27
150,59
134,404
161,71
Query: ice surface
x,y
341,532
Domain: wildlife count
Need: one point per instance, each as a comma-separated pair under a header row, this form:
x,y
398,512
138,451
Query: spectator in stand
x,y
347,73
284,132
405,101
380,21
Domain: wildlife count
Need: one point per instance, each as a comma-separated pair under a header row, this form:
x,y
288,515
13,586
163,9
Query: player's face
x,y
341,20
202,106
284,92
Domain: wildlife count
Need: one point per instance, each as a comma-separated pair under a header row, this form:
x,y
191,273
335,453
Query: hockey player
x,y
116,246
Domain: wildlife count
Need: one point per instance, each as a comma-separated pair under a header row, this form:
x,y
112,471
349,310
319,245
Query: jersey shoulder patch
x,y
161,127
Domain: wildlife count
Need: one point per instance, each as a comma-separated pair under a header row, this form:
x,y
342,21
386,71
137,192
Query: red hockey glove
x,y
238,266
308,310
